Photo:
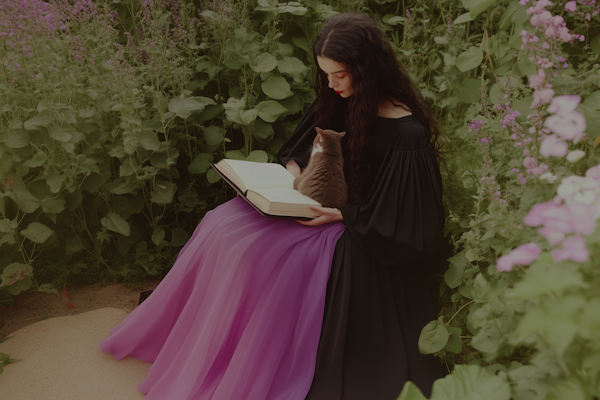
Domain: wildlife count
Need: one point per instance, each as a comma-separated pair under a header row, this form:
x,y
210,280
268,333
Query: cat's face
x,y
339,79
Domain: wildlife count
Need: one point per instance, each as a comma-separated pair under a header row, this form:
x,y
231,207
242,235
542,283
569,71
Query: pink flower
x,y
573,248
522,255
564,104
542,96
553,146
567,125
582,218
593,173
571,6
535,216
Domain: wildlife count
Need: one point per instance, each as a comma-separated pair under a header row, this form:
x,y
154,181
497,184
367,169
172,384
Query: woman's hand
x,y
293,168
327,215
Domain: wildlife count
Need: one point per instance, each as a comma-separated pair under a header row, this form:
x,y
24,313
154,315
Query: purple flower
x,y
522,255
564,104
566,125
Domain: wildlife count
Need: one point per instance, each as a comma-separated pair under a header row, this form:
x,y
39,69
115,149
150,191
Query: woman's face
x,y
338,77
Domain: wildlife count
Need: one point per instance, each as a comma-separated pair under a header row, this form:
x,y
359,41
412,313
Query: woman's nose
x,y
332,83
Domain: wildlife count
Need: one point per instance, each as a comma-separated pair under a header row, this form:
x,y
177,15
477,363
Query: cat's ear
x,y
341,134
320,131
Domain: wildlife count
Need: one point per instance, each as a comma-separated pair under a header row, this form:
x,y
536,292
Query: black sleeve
x,y
300,143
403,222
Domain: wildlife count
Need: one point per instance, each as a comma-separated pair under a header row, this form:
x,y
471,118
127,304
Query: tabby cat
x,y
323,178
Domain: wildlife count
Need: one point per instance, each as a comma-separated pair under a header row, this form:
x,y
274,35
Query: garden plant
x,y
111,112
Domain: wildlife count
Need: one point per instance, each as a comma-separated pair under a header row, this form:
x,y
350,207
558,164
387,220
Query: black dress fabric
x,y
381,290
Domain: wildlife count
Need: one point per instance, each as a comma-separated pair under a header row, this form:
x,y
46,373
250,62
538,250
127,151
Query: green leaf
x,y
476,7
37,232
466,17
265,62
35,161
302,42
62,133
53,205
17,139
411,392
212,176
276,87
262,129
470,382
525,65
185,107
592,120
209,67
149,140
592,101
270,110
248,116
469,91
258,156
42,119
87,112
114,222
47,288
72,246
454,274
506,19
213,135
55,182
26,201
292,66
179,237
392,19
158,236
523,105
454,344
434,337
163,192
201,163
469,59
15,272
569,389
235,155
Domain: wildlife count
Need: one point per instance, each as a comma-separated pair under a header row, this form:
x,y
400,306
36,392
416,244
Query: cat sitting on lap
x,y
323,178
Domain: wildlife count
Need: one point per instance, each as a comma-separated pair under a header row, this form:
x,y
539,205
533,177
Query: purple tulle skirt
x,y
239,315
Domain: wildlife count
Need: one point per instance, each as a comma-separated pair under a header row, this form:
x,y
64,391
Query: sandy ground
x,y
55,337
36,307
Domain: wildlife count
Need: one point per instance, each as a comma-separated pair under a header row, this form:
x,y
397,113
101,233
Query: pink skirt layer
x,y
239,315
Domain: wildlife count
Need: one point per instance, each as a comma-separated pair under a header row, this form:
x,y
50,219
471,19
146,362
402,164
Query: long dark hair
x,y
356,41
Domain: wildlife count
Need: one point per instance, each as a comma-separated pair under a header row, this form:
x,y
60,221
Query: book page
x,y
285,196
257,175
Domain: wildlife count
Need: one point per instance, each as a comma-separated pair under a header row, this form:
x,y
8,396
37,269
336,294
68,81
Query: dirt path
x,y
35,307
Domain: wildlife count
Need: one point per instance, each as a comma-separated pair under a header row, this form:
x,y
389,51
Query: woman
x,y
239,315
380,292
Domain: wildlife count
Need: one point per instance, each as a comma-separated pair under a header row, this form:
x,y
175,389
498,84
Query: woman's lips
x,y
339,92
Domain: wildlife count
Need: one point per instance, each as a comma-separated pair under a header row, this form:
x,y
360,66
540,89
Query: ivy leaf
x,y
454,344
37,232
35,161
265,62
42,119
469,59
247,117
114,222
15,272
55,182
53,205
277,87
262,129
302,42
185,107
434,337
26,201
201,163
149,141
270,110
163,192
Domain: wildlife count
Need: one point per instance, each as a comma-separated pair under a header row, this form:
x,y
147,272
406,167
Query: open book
x,y
269,188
